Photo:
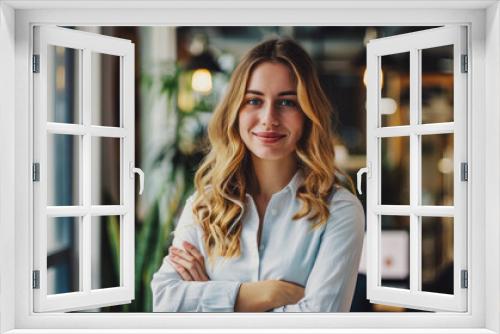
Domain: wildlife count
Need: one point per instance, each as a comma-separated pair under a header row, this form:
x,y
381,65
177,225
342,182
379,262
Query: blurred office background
x,y
180,74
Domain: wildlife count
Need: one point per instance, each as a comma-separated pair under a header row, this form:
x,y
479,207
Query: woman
x,y
269,227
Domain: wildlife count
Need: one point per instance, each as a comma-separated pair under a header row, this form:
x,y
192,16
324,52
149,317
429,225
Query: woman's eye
x,y
287,103
253,102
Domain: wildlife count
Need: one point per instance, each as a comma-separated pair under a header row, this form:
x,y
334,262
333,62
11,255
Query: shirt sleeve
x,y
172,294
330,286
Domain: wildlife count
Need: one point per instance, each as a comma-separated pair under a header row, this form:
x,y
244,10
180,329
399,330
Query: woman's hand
x,y
286,293
265,295
188,262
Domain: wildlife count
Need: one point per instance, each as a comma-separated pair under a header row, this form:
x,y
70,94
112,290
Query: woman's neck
x,y
271,175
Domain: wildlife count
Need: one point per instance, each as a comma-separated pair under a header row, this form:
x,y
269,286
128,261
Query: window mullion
x,y
85,237
420,129
420,210
415,172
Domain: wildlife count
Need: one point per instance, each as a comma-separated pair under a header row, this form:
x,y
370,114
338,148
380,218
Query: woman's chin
x,y
270,156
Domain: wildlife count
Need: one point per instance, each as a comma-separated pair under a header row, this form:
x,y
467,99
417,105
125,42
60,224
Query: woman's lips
x,y
268,137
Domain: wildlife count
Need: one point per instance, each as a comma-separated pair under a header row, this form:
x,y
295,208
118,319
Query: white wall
x,y
492,121
6,166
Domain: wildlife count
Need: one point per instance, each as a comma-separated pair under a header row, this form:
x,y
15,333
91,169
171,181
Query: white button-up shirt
x,y
324,260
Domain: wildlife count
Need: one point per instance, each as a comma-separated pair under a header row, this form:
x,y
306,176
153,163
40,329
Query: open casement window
x,y
72,130
417,168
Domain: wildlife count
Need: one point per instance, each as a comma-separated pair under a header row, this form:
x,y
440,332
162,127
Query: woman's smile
x,y
268,137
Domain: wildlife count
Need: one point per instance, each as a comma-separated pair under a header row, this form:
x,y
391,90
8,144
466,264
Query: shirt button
x,y
274,212
261,248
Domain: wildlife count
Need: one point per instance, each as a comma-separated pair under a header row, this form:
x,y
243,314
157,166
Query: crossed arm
x,y
252,296
182,283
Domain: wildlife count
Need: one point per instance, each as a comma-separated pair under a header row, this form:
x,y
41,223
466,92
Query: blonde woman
x,y
269,227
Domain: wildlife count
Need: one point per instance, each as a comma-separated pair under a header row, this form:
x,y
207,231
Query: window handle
x,y
359,174
139,171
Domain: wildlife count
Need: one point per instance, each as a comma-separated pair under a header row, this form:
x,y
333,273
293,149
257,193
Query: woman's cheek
x,y
241,124
244,124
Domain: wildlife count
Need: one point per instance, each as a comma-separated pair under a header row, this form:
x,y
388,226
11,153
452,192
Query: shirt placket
x,y
254,255
269,218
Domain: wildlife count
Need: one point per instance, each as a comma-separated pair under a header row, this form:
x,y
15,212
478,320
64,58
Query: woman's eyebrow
x,y
256,92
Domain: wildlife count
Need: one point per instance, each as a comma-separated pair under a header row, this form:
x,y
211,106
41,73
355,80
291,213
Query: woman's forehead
x,y
272,76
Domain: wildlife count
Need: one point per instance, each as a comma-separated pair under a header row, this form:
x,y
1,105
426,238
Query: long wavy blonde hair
x,y
221,180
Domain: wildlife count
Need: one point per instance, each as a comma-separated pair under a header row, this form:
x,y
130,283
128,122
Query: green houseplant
x,y
182,156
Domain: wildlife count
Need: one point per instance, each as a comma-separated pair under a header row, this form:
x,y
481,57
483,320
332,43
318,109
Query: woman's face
x,y
270,118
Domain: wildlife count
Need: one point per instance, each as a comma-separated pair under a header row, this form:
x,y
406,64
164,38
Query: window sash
x,y
84,43
413,43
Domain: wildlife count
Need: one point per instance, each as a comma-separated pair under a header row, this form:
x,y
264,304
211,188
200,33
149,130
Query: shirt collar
x,y
296,181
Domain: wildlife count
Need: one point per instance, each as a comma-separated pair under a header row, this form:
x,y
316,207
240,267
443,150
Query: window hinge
x,y
36,63
36,279
465,279
464,171
465,66
36,172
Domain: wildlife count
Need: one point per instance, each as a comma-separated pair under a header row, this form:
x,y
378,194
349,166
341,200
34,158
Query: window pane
x,y
106,171
63,85
437,84
63,169
63,255
395,169
394,104
437,169
395,251
105,251
105,90
437,254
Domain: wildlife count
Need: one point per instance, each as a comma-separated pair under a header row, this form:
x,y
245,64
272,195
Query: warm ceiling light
x,y
202,81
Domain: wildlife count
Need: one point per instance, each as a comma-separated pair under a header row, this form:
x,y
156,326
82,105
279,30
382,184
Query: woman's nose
x,y
269,115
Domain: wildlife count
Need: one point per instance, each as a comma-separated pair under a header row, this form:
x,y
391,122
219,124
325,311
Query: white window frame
x,y
483,18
